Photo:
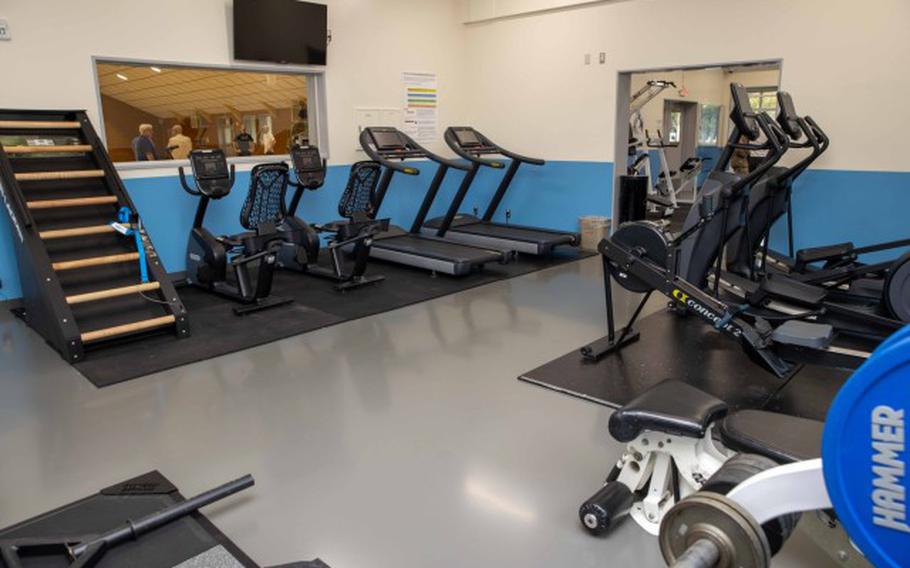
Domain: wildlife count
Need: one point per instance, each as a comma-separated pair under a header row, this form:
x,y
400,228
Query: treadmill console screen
x,y
387,139
209,164
467,138
306,158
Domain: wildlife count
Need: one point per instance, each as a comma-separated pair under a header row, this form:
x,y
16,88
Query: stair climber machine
x,y
390,147
473,146
642,258
883,287
355,231
252,255
88,270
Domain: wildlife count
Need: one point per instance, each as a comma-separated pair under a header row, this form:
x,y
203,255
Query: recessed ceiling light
x,y
155,69
122,77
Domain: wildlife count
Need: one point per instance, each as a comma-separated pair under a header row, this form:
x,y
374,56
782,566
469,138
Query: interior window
x,y
194,107
674,134
709,125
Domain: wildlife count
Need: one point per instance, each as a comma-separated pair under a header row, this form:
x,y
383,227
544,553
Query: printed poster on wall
x,y
420,106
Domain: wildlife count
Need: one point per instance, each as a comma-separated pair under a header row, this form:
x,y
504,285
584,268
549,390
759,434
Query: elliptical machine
x,y
356,231
256,249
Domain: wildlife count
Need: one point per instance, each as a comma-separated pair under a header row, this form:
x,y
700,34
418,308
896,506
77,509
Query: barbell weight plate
x,y
865,454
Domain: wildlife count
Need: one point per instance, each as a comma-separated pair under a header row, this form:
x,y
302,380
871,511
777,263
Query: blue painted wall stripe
x,y
830,205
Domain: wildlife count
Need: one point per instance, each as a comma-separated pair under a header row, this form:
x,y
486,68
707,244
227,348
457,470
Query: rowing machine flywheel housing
x,y
642,239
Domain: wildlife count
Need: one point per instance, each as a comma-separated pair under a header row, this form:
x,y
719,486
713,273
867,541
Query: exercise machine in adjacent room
x,y
89,273
254,251
357,229
390,147
473,146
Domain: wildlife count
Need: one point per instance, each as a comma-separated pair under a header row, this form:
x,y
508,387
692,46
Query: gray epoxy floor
x,y
399,440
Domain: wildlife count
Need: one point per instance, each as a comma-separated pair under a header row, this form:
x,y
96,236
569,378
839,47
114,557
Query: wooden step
x,y
73,174
38,124
112,293
75,202
133,327
69,148
95,261
79,231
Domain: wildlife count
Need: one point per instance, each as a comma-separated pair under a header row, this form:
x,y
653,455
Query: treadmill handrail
x,y
453,143
374,155
412,150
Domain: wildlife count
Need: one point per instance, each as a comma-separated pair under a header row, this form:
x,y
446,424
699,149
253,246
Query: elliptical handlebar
x,y
777,144
186,186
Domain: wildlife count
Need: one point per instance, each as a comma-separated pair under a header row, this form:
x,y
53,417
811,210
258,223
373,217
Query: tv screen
x,y
280,31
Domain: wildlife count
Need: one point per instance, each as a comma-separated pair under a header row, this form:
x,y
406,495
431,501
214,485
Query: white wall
x,y
48,62
531,89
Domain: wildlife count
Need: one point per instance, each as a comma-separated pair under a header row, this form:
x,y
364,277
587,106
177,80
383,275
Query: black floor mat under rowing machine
x,y
670,347
217,331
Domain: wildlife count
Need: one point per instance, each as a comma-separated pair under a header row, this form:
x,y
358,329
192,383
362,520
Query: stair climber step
x,y
50,124
142,325
74,202
69,148
112,293
95,261
79,231
72,174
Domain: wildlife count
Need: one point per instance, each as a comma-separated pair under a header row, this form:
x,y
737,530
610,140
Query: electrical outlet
x,y
587,58
4,30
603,57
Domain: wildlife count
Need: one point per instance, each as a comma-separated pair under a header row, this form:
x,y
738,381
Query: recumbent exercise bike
x,y
353,234
255,250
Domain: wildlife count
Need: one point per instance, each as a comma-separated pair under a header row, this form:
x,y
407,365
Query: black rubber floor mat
x,y
216,330
110,508
670,347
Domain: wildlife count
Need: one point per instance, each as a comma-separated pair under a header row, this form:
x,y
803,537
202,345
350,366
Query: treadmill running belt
x,y
515,233
438,249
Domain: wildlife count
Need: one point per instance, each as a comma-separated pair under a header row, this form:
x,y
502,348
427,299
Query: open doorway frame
x,y
622,114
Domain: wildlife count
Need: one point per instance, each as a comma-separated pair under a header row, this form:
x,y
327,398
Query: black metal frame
x,y
44,305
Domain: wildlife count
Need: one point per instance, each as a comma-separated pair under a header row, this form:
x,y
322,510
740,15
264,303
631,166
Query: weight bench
x,y
680,440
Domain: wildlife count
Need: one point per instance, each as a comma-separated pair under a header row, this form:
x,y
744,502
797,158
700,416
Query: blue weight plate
x,y
865,454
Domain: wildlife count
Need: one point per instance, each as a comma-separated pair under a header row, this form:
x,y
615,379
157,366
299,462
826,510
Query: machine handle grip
x,y
186,186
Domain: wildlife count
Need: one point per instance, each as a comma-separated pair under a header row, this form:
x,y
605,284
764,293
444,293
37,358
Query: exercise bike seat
x,y
671,406
783,438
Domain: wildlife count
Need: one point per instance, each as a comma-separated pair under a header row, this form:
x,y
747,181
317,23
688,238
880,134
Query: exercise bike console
x,y
211,174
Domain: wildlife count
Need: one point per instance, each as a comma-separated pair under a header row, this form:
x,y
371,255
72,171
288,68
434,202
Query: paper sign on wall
x,y
420,106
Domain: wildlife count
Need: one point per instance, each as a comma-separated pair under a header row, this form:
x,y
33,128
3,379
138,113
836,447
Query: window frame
x,y
718,130
315,79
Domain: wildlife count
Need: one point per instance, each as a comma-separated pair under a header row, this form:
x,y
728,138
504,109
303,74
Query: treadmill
x,y
390,147
460,227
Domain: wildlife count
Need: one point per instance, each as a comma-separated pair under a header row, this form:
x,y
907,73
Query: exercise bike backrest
x,y
264,206
359,197
211,175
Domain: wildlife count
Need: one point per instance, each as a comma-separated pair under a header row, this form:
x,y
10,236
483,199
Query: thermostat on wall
x,y
4,30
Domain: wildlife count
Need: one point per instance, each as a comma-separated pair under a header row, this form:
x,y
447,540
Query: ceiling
x,y
177,92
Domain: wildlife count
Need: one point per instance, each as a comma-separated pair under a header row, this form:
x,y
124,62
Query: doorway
x,y
680,134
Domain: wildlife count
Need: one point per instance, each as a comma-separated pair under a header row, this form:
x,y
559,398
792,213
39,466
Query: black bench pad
x,y
783,438
671,406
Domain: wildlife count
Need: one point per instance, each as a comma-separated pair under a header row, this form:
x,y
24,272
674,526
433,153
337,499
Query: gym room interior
x,y
411,283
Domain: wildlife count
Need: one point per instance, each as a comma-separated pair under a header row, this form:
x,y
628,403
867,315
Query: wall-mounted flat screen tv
x,y
280,31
